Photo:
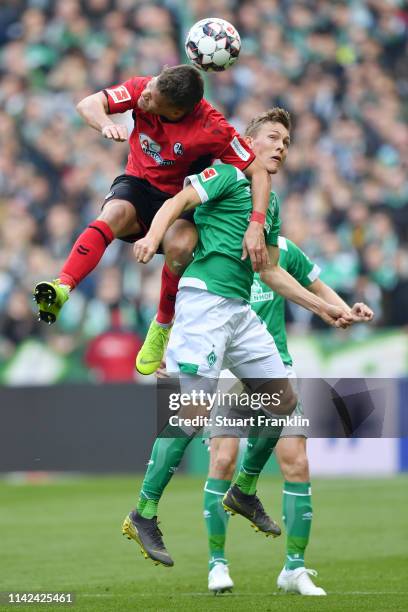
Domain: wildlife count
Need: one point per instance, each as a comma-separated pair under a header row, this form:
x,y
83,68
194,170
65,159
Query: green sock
x,y
246,482
141,504
297,515
166,456
147,507
216,518
257,453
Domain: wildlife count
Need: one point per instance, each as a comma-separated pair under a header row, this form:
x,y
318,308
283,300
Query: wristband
x,y
258,217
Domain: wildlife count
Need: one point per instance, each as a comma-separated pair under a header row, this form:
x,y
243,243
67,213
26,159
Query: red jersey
x,y
164,152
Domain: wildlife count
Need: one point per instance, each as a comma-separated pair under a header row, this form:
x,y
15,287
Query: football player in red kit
x,y
176,133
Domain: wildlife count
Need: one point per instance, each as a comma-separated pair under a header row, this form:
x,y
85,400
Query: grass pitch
x,y
66,536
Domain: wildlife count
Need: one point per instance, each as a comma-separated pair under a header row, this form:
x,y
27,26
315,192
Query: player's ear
x,y
249,140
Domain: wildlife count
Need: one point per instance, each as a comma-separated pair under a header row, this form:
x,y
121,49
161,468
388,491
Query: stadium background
x,y
340,68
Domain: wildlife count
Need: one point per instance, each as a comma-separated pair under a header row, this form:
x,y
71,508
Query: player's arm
x,y
254,239
94,109
283,283
360,311
230,148
146,247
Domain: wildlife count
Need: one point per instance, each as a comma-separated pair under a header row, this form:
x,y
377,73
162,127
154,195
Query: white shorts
x,y
212,332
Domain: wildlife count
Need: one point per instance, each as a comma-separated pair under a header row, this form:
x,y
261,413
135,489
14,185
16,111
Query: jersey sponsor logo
x,y
258,294
239,149
148,144
119,94
152,148
178,148
208,174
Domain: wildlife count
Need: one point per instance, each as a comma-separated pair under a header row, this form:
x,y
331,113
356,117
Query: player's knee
x,y
224,466
288,402
281,388
179,252
118,214
179,244
295,467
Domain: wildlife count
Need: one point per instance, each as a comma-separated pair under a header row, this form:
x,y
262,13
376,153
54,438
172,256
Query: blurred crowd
x,y
340,67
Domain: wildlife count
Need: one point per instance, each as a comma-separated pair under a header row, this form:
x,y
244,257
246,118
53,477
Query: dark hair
x,y
183,86
273,115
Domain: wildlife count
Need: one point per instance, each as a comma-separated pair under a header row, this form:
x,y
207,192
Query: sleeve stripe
x,y
240,175
247,164
193,180
107,99
314,273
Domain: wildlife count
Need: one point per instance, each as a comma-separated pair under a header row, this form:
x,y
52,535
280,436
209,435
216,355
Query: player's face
x,y
270,145
152,101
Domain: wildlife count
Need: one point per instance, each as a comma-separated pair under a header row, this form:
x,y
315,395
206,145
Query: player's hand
x,y
336,316
145,248
114,131
362,312
161,372
254,246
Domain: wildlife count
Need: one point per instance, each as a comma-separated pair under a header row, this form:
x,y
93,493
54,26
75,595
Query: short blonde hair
x,y
273,115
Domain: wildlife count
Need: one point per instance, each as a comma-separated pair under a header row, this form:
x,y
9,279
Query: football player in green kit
x,y
290,451
214,322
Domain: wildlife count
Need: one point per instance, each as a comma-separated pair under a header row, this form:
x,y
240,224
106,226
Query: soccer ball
x,y
213,44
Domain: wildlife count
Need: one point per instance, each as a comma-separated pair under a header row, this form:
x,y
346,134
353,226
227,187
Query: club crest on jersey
x,y
211,359
178,148
119,94
152,148
208,174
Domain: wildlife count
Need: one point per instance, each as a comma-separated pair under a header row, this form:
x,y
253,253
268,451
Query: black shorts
x,y
145,198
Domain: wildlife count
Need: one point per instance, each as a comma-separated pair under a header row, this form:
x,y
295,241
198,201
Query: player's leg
x,y
167,453
178,245
264,374
223,456
191,341
260,446
297,514
297,498
117,219
241,497
141,524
